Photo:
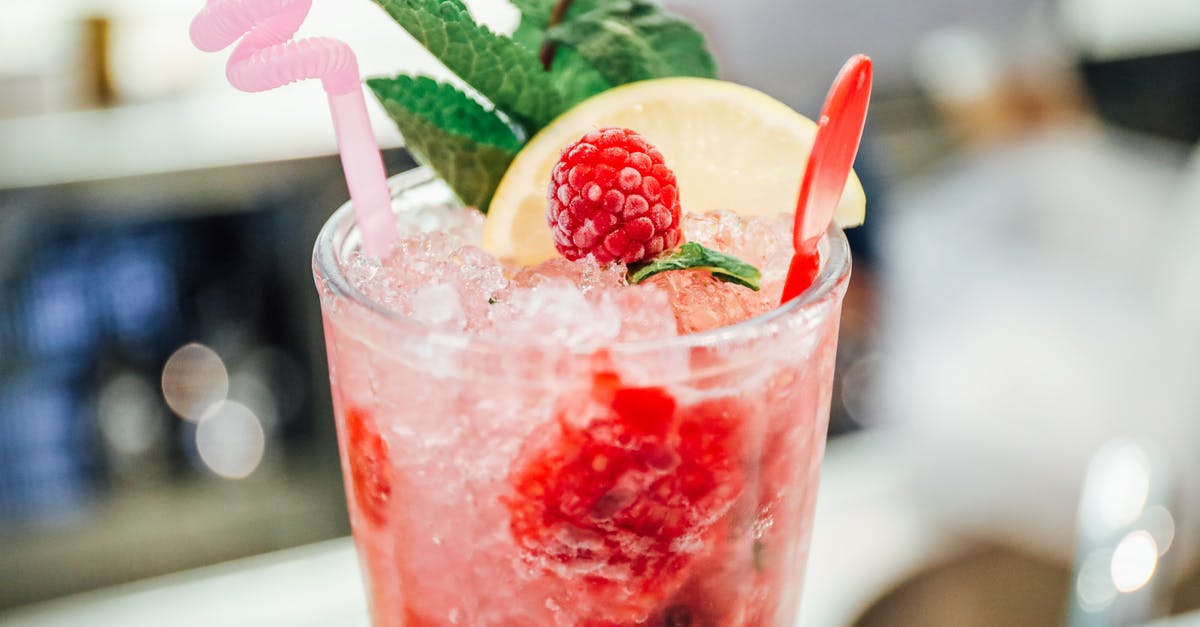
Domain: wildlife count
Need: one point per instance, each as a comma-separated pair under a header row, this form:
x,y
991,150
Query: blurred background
x,y
1023,308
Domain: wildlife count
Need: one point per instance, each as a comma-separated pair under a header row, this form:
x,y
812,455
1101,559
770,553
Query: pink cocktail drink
x,y
551,446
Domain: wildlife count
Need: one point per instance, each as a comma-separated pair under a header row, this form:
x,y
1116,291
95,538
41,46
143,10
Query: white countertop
x,y
311,586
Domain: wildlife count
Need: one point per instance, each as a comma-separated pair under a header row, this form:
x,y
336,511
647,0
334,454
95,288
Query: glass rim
x,y
327,263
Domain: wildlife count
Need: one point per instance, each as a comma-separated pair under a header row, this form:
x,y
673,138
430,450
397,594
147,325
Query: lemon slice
x,y
731,147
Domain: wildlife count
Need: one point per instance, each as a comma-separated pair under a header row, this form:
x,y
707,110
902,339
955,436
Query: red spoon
x,y
838,133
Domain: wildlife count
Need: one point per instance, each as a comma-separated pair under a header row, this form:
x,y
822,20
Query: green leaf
x,y
444,105
575,76
503,71
631,40
693,256
535,19
535,15
528,35
535,10
468,145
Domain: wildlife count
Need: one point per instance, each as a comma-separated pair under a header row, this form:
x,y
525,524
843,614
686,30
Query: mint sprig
x,y
471,139
693,256
469,146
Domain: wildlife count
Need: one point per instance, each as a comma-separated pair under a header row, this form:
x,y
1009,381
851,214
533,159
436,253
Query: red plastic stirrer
x,y
838,132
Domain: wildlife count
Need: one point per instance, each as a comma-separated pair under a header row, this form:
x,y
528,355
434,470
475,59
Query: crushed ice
x,y
438,275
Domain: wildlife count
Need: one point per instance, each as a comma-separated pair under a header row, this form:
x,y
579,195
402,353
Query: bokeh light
x,y
1134,561
1126,484
230,440
194,379
1093,585
129,414
1159,522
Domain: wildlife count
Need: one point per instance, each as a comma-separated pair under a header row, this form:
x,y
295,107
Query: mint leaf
x,y
535,14
631,40
577,79
535,17
574,75
535,10
468,145
472,170
503,71
528,35
446,106
693,256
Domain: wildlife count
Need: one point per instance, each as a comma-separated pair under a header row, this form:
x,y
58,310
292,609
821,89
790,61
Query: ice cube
x,y
438,305
588,274
480,279
701,227
701,302
644,312
554,312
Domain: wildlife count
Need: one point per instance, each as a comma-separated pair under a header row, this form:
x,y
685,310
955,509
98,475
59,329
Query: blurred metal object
x,y
1123,571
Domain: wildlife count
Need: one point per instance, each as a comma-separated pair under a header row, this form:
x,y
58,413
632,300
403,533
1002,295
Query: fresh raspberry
x,y
621,503
370,470
612,197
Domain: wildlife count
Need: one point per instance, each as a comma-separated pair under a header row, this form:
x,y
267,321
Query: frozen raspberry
x,y
612,197
621,503
370,471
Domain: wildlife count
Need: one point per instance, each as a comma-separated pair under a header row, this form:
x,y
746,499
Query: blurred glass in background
x,y
1025,288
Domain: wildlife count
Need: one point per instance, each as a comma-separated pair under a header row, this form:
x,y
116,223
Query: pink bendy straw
x,y
266,58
